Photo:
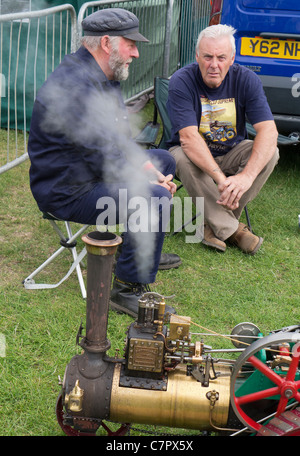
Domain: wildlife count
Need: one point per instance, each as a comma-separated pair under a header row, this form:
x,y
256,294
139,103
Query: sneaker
x,y
245,240
124,297
211,240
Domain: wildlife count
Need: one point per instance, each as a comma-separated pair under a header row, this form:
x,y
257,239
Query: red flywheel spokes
x,y
283,386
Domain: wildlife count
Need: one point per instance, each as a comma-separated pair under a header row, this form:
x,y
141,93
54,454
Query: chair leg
x,y
248,218
179,230
66,243
195,216
78,269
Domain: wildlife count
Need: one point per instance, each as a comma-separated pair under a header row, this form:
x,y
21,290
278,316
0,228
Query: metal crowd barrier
x,y
34,43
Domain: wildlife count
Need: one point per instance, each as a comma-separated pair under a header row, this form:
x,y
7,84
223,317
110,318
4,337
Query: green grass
x,y
218,291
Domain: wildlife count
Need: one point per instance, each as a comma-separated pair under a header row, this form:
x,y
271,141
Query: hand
x,y
232,189
166,182
156,177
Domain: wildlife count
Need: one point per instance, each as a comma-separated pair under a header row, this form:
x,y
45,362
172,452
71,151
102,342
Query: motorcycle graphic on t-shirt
x,y
218,120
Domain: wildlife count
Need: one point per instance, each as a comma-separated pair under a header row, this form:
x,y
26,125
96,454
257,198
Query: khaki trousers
x,y
222,221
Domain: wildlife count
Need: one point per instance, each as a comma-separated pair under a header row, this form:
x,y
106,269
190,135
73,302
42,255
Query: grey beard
x,y
120,71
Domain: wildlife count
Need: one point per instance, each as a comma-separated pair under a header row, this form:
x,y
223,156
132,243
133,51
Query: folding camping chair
x,y
161,87
68,242
282,140
150,132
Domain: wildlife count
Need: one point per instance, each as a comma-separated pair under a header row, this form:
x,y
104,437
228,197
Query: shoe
x,y
245,240
169,261
211,240
124,297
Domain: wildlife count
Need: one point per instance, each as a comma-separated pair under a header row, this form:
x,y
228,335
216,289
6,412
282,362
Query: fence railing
x,y
34,43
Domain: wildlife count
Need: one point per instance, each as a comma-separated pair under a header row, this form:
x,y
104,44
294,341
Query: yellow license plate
x,y
276,49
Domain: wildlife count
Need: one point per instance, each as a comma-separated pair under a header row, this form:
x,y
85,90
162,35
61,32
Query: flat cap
x,y
113,22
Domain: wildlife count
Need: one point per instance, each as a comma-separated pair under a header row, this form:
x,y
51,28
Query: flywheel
x,y
265,385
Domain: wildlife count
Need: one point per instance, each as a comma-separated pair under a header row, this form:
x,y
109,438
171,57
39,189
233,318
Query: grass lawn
x,y
217,290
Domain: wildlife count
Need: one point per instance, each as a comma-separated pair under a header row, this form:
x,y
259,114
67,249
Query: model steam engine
x,y
165,379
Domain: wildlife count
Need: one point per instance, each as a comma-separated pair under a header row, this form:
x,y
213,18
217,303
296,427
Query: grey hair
x,y
217,31
93,42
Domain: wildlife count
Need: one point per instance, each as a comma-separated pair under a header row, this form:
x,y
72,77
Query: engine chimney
x,y
86,390
101,248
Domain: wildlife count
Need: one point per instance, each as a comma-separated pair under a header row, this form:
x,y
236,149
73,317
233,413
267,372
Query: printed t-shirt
x,y
220,113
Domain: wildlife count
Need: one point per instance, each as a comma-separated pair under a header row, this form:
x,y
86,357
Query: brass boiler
x,y
184,404
163,378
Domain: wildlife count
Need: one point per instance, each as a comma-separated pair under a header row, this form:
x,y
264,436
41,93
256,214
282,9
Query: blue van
x,y
268,42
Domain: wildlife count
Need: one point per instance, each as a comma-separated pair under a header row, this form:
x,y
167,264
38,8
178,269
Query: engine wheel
x,y
123,429
279,384
68,430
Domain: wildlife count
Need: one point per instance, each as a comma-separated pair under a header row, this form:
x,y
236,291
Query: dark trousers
x,y
141,249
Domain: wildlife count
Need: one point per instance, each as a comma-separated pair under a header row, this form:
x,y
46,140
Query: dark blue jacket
x,y
79,132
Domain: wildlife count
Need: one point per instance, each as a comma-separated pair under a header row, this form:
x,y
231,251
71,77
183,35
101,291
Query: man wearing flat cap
x,y
113,22
82,153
